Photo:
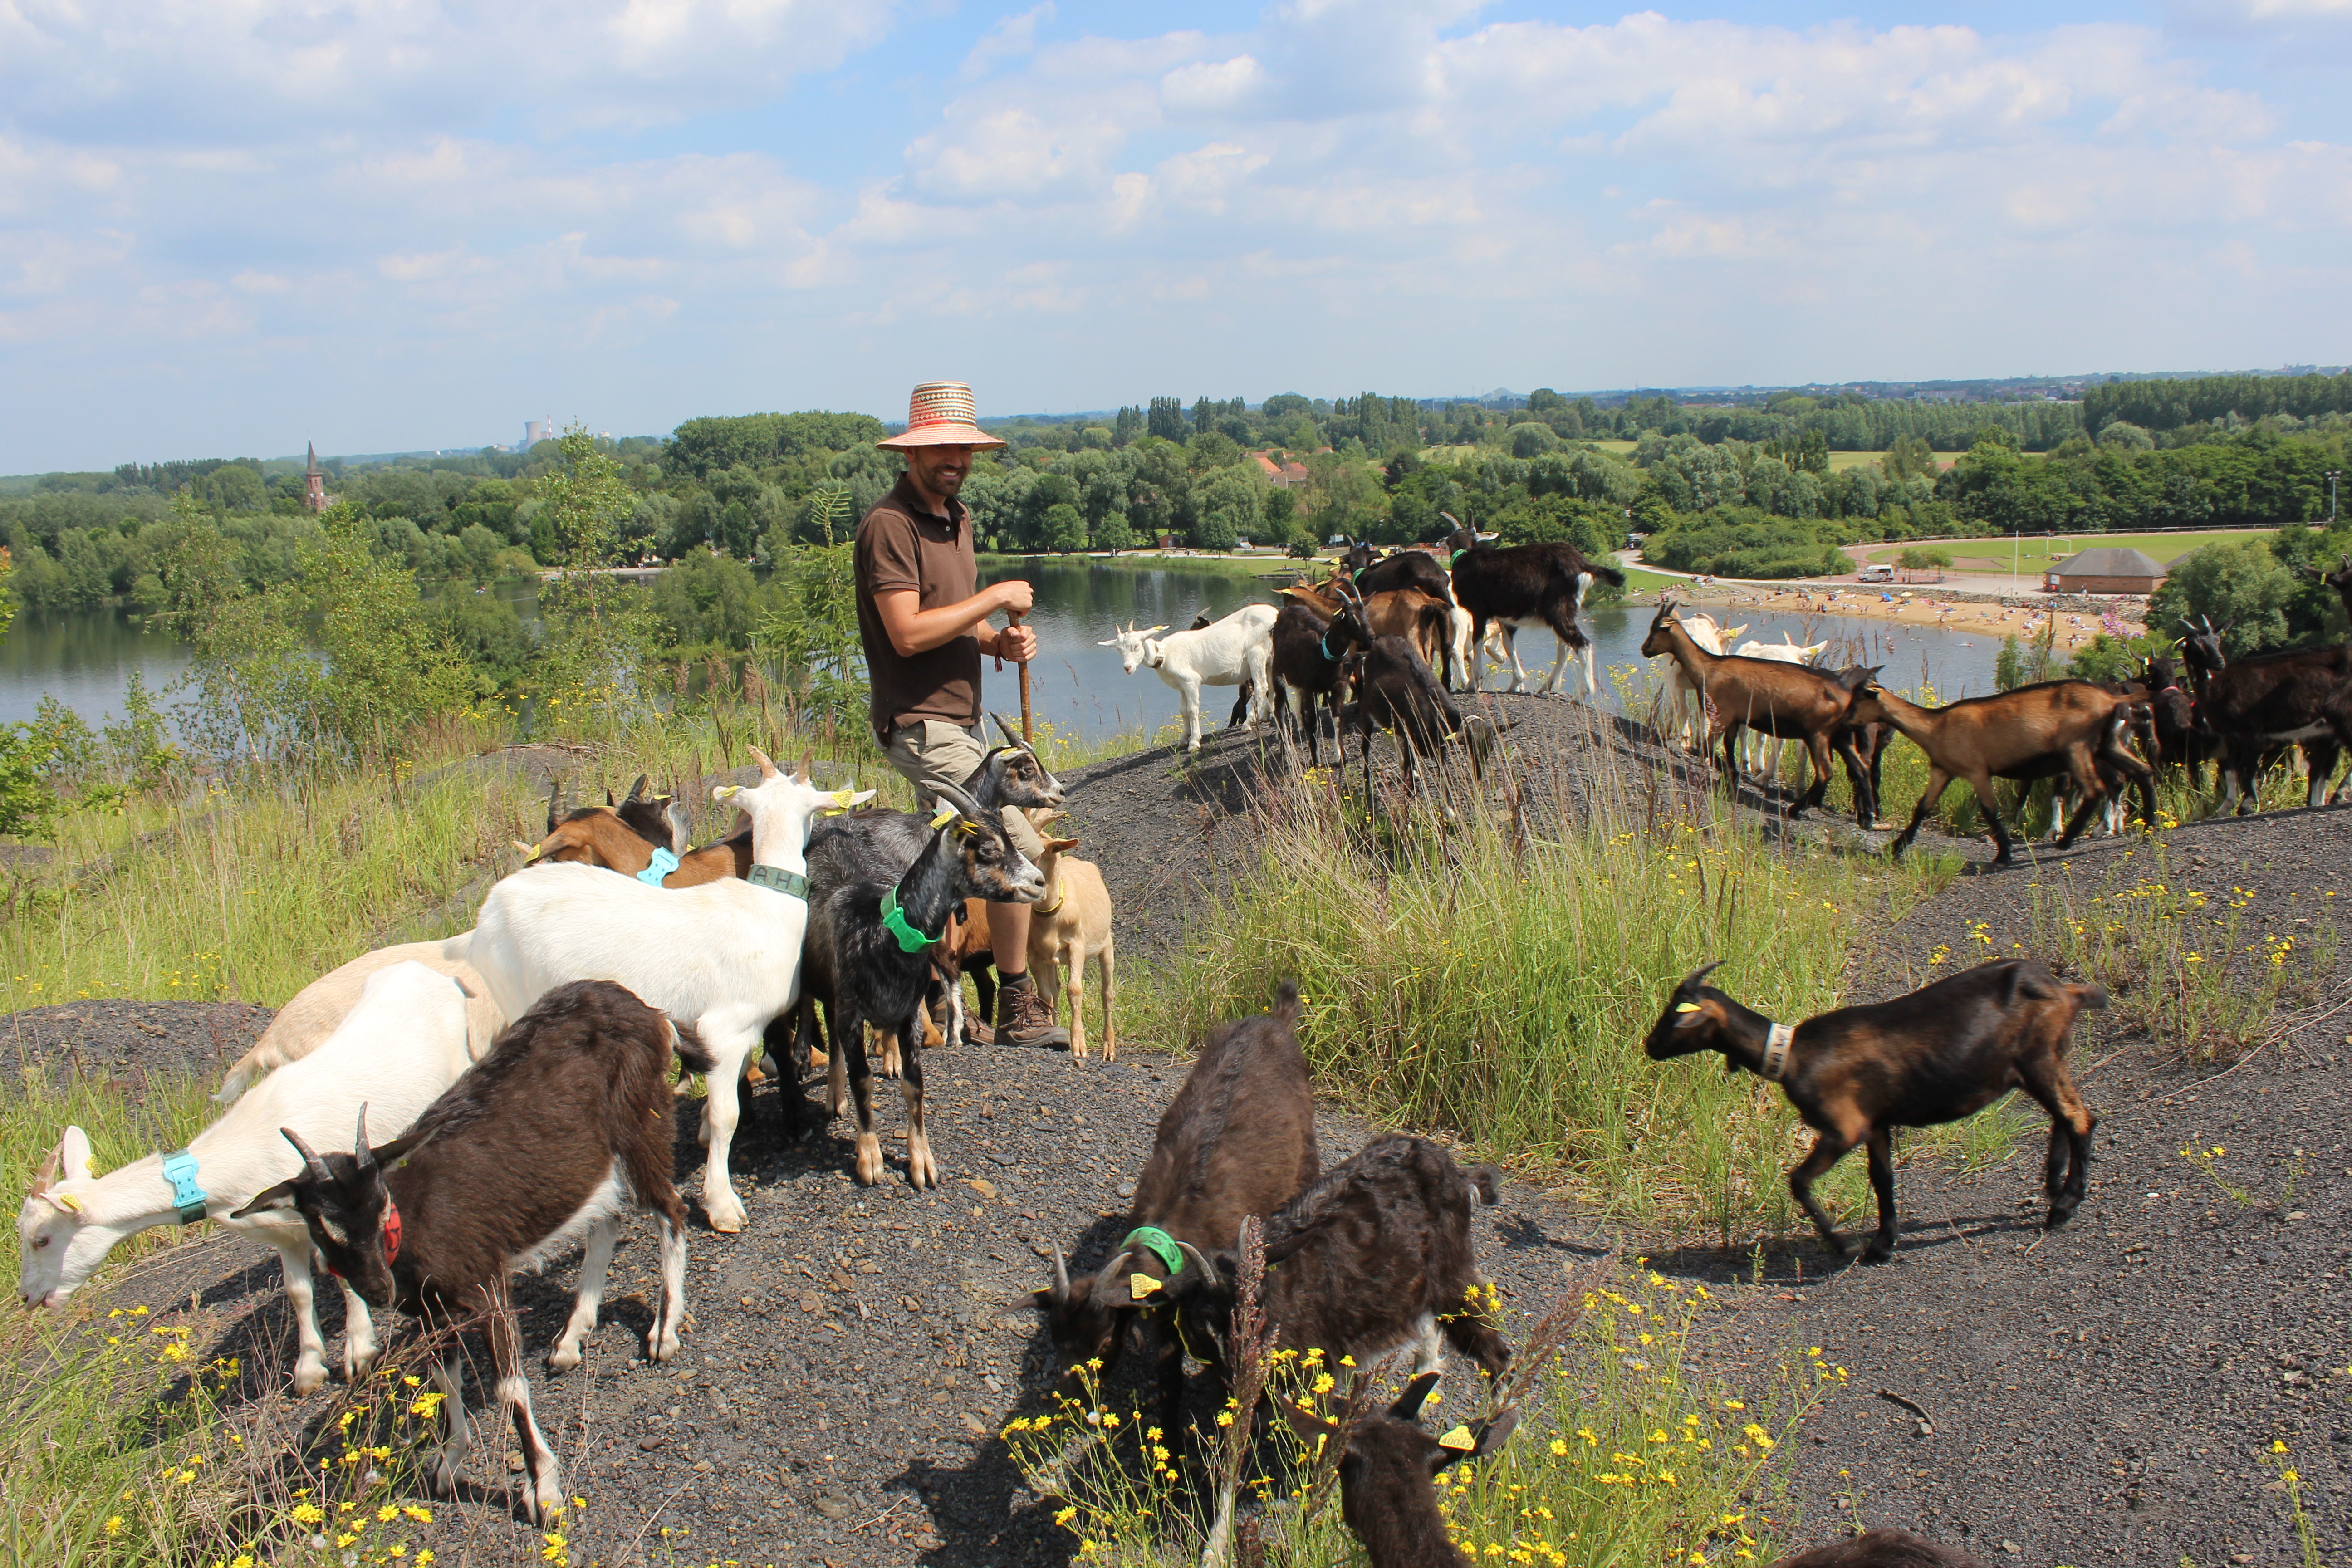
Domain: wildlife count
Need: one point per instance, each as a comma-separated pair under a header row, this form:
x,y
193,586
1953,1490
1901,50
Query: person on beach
x,y
923,620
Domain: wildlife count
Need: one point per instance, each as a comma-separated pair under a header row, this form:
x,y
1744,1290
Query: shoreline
x,y
2078,617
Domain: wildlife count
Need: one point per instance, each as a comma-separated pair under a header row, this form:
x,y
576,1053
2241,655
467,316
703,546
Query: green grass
x,y
1638,580
2036,553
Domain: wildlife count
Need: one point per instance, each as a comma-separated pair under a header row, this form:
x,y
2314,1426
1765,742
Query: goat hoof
x,y
724,1211
444,1480
1878,1251
311,1376
2058,1217
564,1358
869,1162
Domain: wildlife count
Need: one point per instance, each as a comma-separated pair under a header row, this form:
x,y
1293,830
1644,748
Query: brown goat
x,y
1238,1140
1943,1052
1880,1549
1786,701
2069,727
1385,1475
1422,619
542,1142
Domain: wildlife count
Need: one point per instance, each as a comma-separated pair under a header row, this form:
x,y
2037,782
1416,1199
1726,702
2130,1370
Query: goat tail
x,y
1487,1182
1606,573
1285,1005
692,1054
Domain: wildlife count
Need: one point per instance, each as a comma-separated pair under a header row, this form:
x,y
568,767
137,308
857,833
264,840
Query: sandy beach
x,y
1923,608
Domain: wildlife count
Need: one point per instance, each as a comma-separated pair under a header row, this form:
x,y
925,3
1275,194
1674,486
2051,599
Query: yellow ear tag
x,y
1141,1286
1687,1007
1459,1438
940,818
726,792
67,1202
845,798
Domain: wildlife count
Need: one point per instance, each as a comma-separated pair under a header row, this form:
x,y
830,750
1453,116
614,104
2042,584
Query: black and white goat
x,y
1529,585
564,1123
873,940
1237,1139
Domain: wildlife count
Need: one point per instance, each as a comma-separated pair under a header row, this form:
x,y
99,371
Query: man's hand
x,y
1018,644
1014,596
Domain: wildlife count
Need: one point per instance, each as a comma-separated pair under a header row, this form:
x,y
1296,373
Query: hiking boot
x,y
1022,1018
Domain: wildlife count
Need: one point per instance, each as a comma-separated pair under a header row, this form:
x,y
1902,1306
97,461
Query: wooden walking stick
x,y
1028,731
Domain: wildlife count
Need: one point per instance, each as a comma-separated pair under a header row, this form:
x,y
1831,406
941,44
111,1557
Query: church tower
x,y
314,483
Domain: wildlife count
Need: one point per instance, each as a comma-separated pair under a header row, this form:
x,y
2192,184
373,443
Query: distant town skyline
x,y
394,226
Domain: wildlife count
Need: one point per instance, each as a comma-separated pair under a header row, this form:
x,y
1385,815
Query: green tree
x,y
597,636
2241,586
1063,528
1920,558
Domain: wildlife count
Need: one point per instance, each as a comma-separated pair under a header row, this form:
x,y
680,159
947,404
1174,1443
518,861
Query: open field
x,y
2036,553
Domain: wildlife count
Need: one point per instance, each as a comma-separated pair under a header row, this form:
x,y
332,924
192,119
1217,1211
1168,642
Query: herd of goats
x,y
520,1074
1383,642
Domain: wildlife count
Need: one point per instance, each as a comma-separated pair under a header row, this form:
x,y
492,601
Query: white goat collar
x,y
1777,1038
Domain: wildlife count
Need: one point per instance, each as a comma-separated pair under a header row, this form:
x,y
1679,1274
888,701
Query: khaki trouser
x,y
928,752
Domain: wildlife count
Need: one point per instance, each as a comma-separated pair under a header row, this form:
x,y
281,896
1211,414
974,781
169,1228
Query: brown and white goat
x,y
1785,700
542,1144
2069,727
1375,1255
1237,1139
1940,1053
1422,619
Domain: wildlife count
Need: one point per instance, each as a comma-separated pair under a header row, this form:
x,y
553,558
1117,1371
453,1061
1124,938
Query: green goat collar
x,y
894,921
775,878
1159,1243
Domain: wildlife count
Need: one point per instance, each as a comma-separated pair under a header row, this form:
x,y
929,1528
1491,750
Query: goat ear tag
x,y
1141,1286
67,1202
1686,1007
942,816
1459,1440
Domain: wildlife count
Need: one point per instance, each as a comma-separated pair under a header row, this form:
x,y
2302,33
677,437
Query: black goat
x,y
1238,1140
542,1142
1375,1255
1396,691
877,845
1880,1549
1374,574
1305,671
1386,1473
1527,585
1942,1052
2257,704
2340,581
873,940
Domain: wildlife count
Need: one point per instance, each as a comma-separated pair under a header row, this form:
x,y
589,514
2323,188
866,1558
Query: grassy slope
x,y
2036,553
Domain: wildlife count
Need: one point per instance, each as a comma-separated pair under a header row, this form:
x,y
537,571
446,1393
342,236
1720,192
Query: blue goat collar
x,y
665,862
775,878
179,1170
895,921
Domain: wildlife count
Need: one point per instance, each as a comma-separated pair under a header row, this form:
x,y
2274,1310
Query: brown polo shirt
x,y
900,545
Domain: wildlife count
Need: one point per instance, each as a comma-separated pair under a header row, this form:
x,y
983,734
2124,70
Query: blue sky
x,y
227,227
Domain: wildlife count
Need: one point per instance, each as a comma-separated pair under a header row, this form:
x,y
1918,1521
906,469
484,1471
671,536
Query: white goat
x,y
318,1009
1223,653
1683,703
724,956
402,1044
1754,747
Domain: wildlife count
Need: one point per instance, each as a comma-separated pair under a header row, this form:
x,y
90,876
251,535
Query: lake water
x,y
85,658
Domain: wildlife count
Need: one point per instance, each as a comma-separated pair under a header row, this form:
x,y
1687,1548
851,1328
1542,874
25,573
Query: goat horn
x,y
963,803
317,1166
1009,738
554,792
1697,976
1061,1275
636,790
767,768
361,1156
51,1171
1208,1269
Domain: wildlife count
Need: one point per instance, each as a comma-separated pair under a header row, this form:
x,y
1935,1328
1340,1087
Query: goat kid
x,y
1941,1053
875,939
319,1008
1070,927
723,957
1779,699
563,1124
1529,585
401,1045
1237,1139
1236,649
1388,1473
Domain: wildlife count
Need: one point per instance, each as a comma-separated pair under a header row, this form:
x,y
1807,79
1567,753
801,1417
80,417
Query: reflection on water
x,y
84,658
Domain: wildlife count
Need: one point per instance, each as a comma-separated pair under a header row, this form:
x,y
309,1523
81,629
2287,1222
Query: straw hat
x,y
941,414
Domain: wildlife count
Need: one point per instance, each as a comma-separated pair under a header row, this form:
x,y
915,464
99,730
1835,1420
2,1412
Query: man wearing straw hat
x,y
923,619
